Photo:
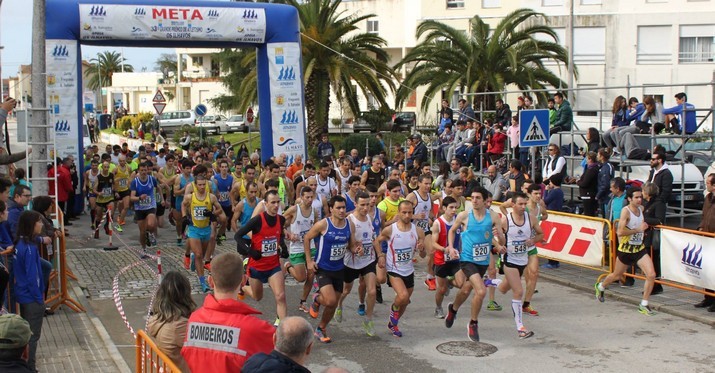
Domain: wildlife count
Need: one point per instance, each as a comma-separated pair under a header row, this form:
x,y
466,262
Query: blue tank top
x,y
146,188
477,240
349,204
182,184
332,246
224,188
377,227
247,212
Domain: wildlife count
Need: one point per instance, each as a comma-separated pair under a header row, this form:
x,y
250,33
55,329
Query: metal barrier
x,y
150,358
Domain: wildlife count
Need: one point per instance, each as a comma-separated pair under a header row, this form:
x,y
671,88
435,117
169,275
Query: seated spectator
x,y
683,112
15,336
503,113
293,340
652,120
593,143
399,156
495,183
468,140
460,137
631,149
564,114
497,142
619,111
170,315
455,165
635,111
470,182
445,141
444,121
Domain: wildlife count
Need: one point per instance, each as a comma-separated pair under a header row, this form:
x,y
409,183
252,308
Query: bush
x,y
378,118
140,118
358,142
124,123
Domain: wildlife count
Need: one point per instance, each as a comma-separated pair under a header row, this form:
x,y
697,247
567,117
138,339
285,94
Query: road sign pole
x,y
200,111
532,150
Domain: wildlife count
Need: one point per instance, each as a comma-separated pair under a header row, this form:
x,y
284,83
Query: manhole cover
x,y
466,348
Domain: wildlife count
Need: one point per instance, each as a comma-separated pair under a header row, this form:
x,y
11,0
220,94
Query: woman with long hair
x,y
43,205
653,114
620,112
442,175
170,315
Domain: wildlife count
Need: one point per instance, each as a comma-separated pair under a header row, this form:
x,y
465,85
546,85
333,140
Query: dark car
x,y
403,121
371,121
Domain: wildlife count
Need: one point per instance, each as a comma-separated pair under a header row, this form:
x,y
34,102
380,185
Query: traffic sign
x,y
534,127
201,110
159,97
249,115
159,107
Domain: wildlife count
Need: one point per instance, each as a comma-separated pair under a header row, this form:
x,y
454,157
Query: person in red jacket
x,y
225,332
497,142
64,184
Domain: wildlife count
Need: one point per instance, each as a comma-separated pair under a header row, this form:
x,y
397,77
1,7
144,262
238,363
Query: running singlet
x,y
390,207
224,188
423,206
401,250
122,178
377,228
477,240
266,241
199,210
441,257
318,205
183,182
92,181
247,213
516,236
634,242
282,191
147,187
300,226
343,181
365,232
326,187
105,186
349,203
375,178
332,246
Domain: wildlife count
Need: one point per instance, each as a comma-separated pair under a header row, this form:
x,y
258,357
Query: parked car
x,y
366,121
403,121
237,123
172,121
213,123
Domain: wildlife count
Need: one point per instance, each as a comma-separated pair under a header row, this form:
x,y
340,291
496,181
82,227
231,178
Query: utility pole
x,y
39,99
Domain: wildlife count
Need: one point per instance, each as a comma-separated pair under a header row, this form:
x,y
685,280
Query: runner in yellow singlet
x,y
122,174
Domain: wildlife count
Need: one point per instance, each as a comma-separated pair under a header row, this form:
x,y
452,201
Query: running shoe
x,y
492,282
118,228
493,306
207,266
277,322
599,293
144,254
205,287
439,313
338,316
314,307
473,331
394,317
395,331
451,315
431,284
645,310
152,240
303,307
322,335
121,222
378,295
221,238
187,262
530,311
178,241
361,309
369,328
524,334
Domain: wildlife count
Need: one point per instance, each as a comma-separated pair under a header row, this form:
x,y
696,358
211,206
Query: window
x,y
588,100
373,27
589,44
215,68
552,2
696,43
491,3
198,60
455,4
653,44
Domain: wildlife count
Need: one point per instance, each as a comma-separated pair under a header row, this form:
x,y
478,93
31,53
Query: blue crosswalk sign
x,y
534,127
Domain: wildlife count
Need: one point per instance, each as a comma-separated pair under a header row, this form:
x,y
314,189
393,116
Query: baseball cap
x,y
14,332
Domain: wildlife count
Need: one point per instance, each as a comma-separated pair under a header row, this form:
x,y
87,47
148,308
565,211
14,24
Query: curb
x,y
629,299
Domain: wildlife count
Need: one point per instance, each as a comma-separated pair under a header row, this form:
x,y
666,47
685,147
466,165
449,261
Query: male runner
x,y
327,187
353,186
403,239
375,175
301,218
446,268
224,183
90,186
492,305
180,183
390,204
343,174
122,174
422,200
167,176
104,190
144,198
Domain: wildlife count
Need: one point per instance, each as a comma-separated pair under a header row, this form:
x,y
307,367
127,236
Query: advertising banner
x,y
285,76
147,22
62,83
687,258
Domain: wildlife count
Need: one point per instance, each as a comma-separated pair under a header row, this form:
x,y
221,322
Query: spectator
x,y
555,165
466,113
661,176
455,165
631,149
683,112
495,183
74,177
185,141
653,214
20,180
380,142
620,112
459,139
528,102
294,341
551,104
503,113
443,122
44,205
170,315
513,134
652,119
593,143
605,175
420,154
523,150
588,185
708,225
446,109
27,271
399,157
564,114
445,141
15,335
213,342
554,196
6,250
64,185
296,166
469,133
470,182
442,176
617,197
20,200
516,177
497,142
325,148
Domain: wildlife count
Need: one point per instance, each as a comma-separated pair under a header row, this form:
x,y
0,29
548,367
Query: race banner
x,y
687,258
62,83
190,23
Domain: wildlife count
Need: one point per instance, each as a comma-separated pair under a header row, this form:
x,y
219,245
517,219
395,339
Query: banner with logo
x,y
570,239
62,83
146,22
687,258
285,76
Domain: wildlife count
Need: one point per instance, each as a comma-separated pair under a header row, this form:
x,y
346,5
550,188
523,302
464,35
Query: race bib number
x,y
122,183
223,196
107,192
636,239
337,252
367,249
480,252
519,247
423,224
269,247
403,256
145,202
200,212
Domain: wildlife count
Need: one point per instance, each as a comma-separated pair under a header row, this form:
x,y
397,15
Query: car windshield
x,y
236,118
208,118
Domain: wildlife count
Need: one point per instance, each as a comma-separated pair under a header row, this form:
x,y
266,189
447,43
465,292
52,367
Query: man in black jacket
x,y
503,115
661,176
420,154
293,340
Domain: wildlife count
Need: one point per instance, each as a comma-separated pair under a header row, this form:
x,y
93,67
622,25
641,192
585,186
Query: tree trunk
x,y
317,101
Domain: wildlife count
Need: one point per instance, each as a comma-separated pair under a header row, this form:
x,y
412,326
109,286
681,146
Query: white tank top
x,y
365,233
318,205
300,226
343,181
516,236
92,180
325,187
635,221
401,250
423,206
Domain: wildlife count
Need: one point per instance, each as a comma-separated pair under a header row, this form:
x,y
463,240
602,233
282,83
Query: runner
x,y
537,209
240,186
343,175
361,265
122,174
167,176
492,305
478,228
631,250
268,230
458,195
353,186
375,175
197,211
377,217
104,190
446,268
333,235
390,204
327,187
422,200
404,239
301,218
180,184
224,182
244,209
90,189
522,232
144,198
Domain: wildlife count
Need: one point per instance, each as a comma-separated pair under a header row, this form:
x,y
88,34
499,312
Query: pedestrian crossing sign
x,y
534,127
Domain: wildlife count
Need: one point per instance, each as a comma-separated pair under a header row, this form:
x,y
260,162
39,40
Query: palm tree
x,y
449,59
166,64
102,68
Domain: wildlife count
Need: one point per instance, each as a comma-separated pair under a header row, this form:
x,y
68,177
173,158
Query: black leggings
x,y
4,280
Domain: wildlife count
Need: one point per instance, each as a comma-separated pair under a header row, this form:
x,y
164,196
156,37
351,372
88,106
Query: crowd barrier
x,y
150,358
